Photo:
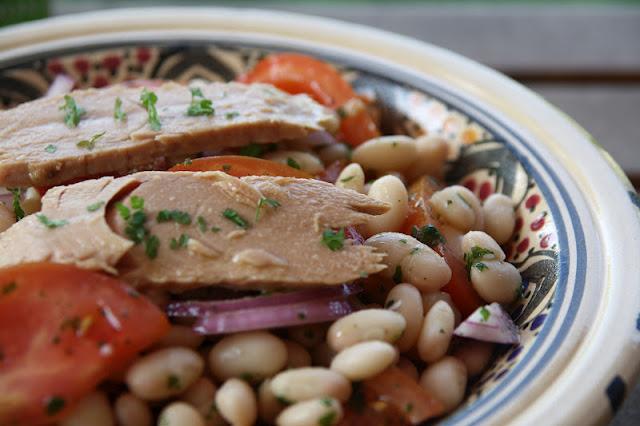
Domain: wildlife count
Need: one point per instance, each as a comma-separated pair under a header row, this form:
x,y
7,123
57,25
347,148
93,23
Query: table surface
x,y
583,58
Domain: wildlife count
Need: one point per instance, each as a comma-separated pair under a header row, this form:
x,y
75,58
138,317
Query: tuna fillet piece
x,y
37,148
199,228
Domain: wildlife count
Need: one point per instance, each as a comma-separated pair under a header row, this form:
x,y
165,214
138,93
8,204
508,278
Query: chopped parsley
x,y
136,230
326,401
95,206
408,407
282,400
463,200
414,250
181,242
173,382
50,148
480,266
199,104
17,208
397,275
202,224
151,245
274,204
215,229
54,405
252,150
187,162
402,241
91,143
293,163
473,258
327,419
51,223
247,377
149,100
334,240
137,203
485,314
234,217
123,210
118,113
226,168
178,216
72,112
8,288
428,235
231,115
347,179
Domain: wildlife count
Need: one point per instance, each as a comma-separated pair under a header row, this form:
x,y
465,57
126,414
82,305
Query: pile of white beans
x,y
303,375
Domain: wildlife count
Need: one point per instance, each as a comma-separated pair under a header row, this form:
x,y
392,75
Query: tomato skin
x,y
295,73
459,287
239,166
62,331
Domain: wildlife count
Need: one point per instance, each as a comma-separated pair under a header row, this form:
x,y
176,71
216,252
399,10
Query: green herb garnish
x,y
178,216
397,275
274,204
72,112
137,203
173,382
234,217
480,266
8,288
118,113
327,419
252,150
347,179
50,223
54,405
91,143
463,200
199,104
428,235
474,257
215,229
333,239
181,242
17,208
202,224
124,211
50,148
282,400
408,407
293,163
231,115
135,228
149,100
95,206
485,314
151,245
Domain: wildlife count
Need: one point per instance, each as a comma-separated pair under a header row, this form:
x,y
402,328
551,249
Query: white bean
x,y
305,160
459,207
367,324
300,384
268,405
297,355
31,201
237,403
436,332
7,218
180,414
164,373
180,335
93,409
499,217
395,245
351,177
318,411
364,360
386,153
446,380
334,152
408,367
322,354
308,335
252,355
405,299
475,355
483,240
431,157
430,299
200,395
132,411
496,281
425,269
389,189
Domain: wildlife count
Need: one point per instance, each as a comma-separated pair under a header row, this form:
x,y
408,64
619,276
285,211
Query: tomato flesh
x,y
62,331
295,73
239,166
459,287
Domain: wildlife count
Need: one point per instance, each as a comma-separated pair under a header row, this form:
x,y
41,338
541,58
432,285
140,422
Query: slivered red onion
x,y
197,308
61,84
491,324
257,318
320,138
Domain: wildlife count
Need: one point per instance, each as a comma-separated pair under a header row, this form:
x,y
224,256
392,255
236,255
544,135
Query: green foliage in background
x,y
15,11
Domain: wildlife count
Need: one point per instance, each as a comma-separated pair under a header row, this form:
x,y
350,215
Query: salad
x,y
252,252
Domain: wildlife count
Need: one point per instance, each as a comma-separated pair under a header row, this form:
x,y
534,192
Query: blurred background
x,y
583,56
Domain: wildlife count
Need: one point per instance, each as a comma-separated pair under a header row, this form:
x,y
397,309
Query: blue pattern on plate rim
x,y
513,361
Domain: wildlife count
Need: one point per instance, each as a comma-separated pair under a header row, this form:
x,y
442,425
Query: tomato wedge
x,y
238,166
296,73
459,287
391,397
62,331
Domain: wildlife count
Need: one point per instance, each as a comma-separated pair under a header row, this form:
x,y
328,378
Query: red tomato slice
x,y
459,287
238,166
62,331
295,73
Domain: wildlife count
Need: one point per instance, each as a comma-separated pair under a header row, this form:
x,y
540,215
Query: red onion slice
x,y
201,308
61,84
489,323
274,316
